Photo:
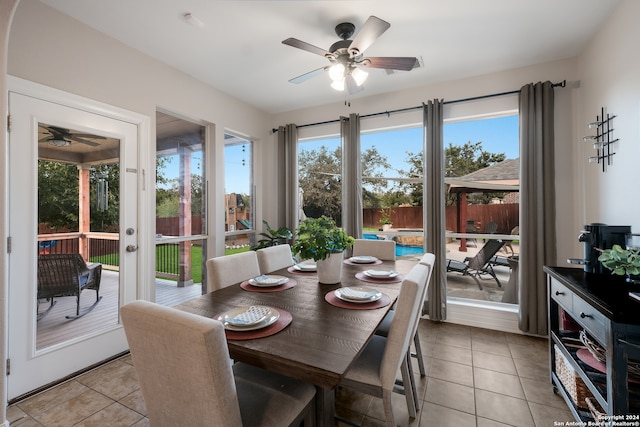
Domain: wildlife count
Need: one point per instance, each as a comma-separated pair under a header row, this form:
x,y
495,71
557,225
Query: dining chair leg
x,y
388,408
416,342
410,393
412,381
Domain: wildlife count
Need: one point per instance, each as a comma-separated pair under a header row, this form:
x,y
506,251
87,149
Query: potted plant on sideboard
x,y
323,241
622,262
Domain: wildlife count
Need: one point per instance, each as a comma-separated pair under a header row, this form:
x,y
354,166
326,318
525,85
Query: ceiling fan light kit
x,y
346,56
59,142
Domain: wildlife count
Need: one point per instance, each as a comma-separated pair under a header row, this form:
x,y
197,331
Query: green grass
x,y
167,260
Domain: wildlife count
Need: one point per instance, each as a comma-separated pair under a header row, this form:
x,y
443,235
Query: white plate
x,y
363,259
381,274
266,281
260,317
305,267
358,294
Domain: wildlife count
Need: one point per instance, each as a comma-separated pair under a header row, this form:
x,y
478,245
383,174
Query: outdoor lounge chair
x,y
479,264
64,275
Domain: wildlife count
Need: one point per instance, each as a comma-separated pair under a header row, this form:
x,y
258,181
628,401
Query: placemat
x,y
366,278
248,287
332,299
348,261
304,273
282,322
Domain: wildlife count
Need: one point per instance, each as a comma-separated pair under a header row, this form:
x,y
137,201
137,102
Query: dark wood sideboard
x,y
601,306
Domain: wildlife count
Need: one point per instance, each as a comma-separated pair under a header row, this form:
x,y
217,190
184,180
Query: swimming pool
x,y
400,249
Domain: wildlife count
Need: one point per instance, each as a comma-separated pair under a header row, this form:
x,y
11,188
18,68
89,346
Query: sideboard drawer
x,y
562,295
593,321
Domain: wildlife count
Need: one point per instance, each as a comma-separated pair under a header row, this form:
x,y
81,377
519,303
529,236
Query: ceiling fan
x,y
61,137
346,56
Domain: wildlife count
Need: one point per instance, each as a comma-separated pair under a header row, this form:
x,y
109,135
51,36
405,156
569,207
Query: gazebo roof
x,y
501,176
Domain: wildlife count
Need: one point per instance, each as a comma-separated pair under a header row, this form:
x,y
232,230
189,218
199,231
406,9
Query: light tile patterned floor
x,y
475,378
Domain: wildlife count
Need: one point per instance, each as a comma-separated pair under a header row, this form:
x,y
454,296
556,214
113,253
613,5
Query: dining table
x,y
322,339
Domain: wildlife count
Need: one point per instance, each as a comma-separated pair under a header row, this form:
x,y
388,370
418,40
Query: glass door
x,y
73,228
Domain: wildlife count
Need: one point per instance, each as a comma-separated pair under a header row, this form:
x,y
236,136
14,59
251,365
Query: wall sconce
x,y
602,140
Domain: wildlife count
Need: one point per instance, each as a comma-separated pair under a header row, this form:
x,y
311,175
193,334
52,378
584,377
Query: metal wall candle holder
x,y
602,140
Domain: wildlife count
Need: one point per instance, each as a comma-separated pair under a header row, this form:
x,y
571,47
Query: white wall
x,y
610,74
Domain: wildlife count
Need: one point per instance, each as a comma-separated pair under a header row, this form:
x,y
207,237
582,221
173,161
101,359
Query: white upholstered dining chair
x,y
382,249
427,259
374,371
274,258
186,379
231,269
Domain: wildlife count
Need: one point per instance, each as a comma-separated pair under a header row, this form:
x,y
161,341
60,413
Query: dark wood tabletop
x,y
322,341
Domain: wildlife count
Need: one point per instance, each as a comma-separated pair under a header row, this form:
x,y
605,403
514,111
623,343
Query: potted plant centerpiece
x,y
321,240
623,262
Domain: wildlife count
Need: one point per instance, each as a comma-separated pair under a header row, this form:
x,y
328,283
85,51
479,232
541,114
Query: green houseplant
x,y
623,262
321,240
385,218
273,237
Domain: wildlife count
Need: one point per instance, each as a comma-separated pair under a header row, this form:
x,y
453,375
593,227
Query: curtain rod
x,y
402,110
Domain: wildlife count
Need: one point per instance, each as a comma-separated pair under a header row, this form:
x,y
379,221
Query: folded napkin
x,y
251,316
266,280
357,294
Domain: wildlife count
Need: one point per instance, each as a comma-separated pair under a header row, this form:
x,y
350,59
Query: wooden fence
x,y
505,215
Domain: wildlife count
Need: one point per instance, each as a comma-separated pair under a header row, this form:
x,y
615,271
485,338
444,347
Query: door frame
x,y
142,123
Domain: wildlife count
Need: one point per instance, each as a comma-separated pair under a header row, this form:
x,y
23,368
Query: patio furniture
x,y
274,258
374,371
514,232
227,270
186,377
491,228
63,275
479,264
471,228
381,249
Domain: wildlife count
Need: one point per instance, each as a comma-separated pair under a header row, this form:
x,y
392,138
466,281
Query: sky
x,y
498,135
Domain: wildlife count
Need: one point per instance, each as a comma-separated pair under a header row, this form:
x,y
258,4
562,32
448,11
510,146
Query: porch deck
x,y
55,327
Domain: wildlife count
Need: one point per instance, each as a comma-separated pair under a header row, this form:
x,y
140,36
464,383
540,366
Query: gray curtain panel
x,y
537,203
433,208
351,175
288,177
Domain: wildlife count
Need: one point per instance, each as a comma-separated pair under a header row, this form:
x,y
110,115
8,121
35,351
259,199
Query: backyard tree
x,y
460,160
58,197
320,179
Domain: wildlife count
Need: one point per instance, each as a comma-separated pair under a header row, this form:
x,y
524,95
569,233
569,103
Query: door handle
x,y
131,248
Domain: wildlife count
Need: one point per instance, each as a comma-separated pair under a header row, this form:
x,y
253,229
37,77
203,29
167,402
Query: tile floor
x,y
475,378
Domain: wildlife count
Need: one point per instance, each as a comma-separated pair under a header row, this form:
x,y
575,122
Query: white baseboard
x,y
483,314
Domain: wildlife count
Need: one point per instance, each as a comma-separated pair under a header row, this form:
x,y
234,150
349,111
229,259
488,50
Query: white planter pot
x,y
330,269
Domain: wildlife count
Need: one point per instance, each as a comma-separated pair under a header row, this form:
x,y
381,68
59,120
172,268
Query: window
x,y
392,188
180,203
238,178
482,176
320,180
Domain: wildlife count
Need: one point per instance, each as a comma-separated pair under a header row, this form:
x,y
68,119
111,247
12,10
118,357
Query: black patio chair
x,y
63,275
479,264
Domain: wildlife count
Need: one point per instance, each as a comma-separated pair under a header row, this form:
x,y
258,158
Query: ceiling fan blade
x,y
81,140
87,135
352,86
370,31
308,47
404,63
306,76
